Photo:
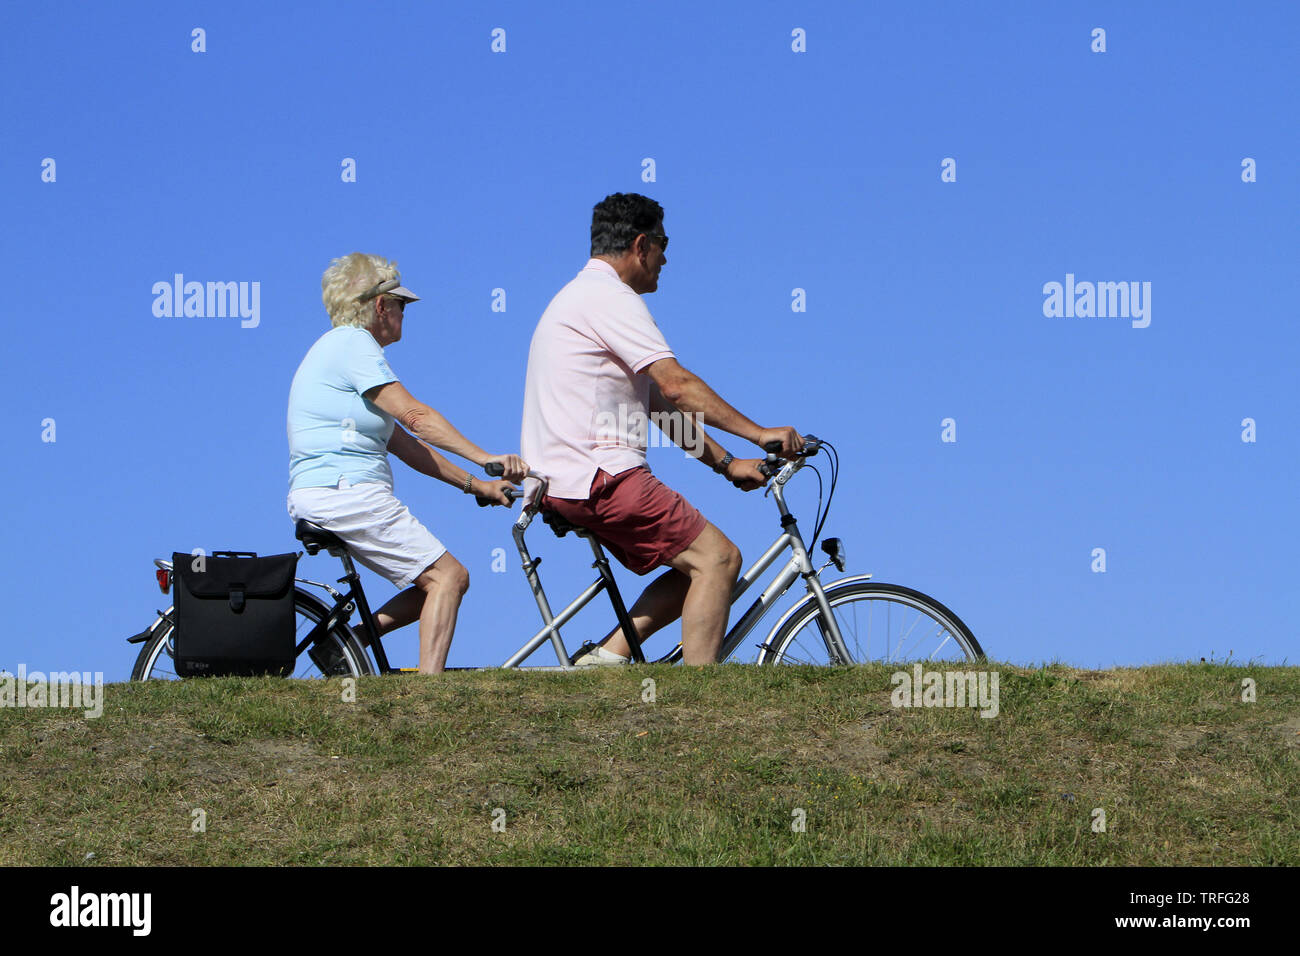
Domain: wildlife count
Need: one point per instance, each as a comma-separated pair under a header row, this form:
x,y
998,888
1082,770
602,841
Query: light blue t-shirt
x,y
333,431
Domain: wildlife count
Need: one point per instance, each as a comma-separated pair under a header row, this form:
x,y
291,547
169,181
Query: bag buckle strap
x,y
236,597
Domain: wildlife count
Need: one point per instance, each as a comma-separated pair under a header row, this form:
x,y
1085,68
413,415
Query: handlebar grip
x,y
767,470
495,469
772,447
510,493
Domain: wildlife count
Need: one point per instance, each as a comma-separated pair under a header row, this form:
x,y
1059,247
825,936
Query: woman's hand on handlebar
x,y
515,469
790,439
495,492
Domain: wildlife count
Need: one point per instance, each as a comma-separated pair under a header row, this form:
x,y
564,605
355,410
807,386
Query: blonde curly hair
x,y
348,277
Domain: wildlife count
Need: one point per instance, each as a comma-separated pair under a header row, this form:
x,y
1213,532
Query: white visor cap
x,y
391,287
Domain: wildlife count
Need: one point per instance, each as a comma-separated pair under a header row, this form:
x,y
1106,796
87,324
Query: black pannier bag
x,y
235,616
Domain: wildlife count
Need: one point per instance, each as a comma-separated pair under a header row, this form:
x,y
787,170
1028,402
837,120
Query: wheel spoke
x,y
922,639
903,637
941,646
915,627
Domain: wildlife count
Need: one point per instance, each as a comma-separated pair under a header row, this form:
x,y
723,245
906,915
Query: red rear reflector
x,y
164,579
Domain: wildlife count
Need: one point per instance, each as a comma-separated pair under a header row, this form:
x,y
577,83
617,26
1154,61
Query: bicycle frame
x,y
341,610
798,566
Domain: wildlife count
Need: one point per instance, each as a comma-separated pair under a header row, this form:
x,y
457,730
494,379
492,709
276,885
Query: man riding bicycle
x,y
597,365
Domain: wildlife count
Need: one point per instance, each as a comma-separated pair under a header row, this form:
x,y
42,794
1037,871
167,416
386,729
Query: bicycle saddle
x,y
314,537
561,526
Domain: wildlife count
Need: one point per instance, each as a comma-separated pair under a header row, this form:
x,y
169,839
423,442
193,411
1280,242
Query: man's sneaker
x,y
327,656
593,655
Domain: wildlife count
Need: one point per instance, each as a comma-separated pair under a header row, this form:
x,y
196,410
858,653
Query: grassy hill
x,y
720,768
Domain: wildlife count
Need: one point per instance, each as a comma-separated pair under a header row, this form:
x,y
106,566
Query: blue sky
x,y
778,170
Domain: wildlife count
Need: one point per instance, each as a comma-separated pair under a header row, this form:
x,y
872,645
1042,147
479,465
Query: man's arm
x,y
687,392
693,439
696,441
691,394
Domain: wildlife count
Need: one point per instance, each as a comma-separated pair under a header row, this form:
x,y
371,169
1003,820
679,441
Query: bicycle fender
x,y
148,631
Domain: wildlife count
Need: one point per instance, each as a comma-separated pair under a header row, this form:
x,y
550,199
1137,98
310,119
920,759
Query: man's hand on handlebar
x,y
515,468
746,474
790,439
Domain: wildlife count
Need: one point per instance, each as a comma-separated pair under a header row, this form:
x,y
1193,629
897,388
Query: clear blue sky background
x,y
817,170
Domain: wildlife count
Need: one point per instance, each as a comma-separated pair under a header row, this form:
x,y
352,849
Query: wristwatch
x,y
721,467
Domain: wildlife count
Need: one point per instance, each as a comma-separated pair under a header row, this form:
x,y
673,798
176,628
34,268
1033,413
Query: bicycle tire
x,y
154,659
798,640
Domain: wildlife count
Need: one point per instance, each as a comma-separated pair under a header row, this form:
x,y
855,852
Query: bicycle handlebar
x,y
811,445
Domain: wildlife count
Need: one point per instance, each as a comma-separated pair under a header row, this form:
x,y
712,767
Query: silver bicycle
x,y
852,620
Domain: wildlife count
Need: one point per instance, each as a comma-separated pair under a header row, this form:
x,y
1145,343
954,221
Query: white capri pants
x,y
377,528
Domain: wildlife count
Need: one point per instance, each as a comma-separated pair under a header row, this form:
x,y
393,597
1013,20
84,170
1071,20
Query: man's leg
x,y
698,590
658,606
713,564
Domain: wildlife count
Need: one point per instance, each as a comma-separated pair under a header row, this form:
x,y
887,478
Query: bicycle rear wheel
x,y
155,661
880,623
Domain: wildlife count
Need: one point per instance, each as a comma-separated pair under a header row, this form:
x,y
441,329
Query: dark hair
x,y
618,219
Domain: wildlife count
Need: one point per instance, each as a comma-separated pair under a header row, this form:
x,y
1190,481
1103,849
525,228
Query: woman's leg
x,y
398,612
444,583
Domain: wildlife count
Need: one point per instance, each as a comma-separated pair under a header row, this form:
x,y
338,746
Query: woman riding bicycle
x,y
344,405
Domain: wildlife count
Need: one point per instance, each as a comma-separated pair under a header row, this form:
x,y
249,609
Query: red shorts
x,y
642,521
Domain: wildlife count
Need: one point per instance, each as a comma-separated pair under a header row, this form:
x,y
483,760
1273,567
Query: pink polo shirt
x,y
585,404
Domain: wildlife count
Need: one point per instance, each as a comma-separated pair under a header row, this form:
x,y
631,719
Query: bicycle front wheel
x,y
156,658
880,623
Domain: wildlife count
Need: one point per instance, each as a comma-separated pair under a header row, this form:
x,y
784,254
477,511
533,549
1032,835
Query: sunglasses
x,y
659,238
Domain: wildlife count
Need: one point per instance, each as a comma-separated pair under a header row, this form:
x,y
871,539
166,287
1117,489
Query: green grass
x,y
716,771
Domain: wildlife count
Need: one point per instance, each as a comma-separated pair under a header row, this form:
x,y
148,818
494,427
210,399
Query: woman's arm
x,y
424,459
424,422
428,462
429,425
